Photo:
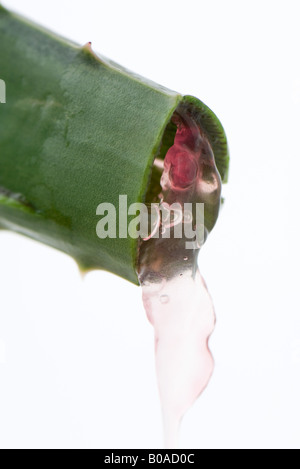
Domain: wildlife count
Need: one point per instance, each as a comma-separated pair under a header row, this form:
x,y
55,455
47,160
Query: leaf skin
x,y
76,130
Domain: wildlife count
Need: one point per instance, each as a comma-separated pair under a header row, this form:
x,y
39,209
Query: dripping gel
x,y
175,296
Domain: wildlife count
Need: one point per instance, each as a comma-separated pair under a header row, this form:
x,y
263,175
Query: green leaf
x,y
76,131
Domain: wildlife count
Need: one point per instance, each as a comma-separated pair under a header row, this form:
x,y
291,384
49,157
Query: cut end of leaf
x,y
213,129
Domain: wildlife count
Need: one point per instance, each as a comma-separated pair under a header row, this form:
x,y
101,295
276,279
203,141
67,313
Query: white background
x,y
76,357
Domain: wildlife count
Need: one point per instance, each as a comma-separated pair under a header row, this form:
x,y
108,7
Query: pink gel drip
x,y
175,296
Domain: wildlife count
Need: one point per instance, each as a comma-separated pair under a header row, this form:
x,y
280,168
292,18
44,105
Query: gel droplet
x,y
164,299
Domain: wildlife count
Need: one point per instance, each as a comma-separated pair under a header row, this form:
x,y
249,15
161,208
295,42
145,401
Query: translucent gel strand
x,y
175,296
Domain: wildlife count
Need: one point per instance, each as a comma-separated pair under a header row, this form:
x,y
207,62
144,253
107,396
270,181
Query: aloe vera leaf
x,y
78,130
